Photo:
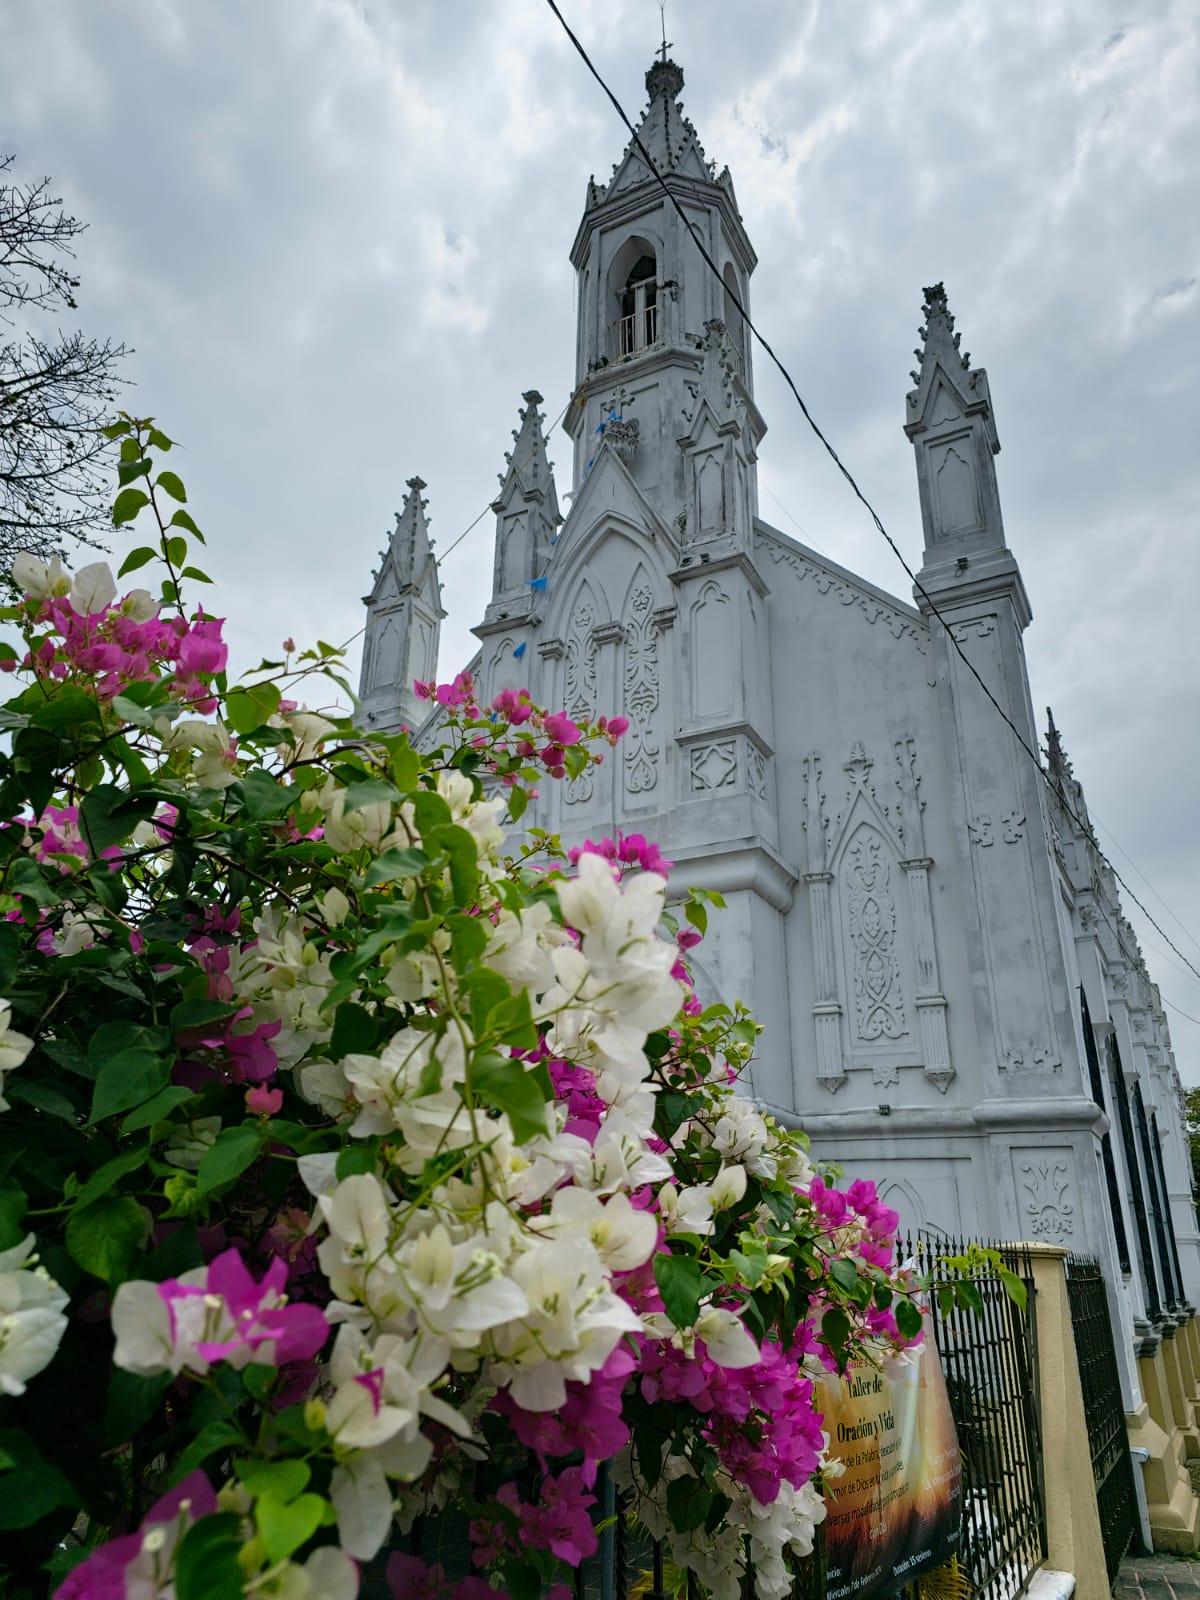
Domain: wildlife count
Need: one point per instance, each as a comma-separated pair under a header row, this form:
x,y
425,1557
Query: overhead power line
x,y
1054,787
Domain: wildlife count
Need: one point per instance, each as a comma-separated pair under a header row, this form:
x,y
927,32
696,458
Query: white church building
x,y
954,1003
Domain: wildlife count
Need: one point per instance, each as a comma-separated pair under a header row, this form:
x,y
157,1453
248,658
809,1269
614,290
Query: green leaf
x,y
127,471
127,1079
248,709
967,1295
171,484
1014,1287
183,519
213,1436
104,1179
158,440
281,1479
355,1158
844,1273
127,505
518,802
109,815
512,1088
195,574
284,1528
460,848
14,1203
263,796
132,1401
10,954
42,1097
908,1318
370,792
355,1032
688,1501
38,1488
835,1331
198,1014
176,548
229,1157
206,1562
105,1237
394,864
137,558
681,1285
157,1109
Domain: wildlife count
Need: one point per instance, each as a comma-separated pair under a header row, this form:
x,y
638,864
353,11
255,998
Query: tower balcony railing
x,y
628,336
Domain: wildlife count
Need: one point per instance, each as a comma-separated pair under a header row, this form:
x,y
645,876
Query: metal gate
x,y
1112,1466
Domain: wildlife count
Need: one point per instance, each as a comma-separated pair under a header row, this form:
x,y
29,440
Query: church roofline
x,y
869,590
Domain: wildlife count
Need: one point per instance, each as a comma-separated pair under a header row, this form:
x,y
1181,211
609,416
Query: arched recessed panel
x,y
710,493
957,502
387,654
713,653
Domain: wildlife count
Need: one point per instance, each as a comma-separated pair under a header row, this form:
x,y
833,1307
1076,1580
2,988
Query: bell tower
x,y
647,300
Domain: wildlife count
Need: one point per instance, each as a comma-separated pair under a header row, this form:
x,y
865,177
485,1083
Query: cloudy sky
x,y
336,234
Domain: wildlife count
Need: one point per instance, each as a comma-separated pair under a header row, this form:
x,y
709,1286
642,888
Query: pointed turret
x,y
404,614
953,431
1067,790
527,516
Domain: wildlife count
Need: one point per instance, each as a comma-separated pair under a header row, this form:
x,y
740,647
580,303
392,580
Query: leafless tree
x,y
55,392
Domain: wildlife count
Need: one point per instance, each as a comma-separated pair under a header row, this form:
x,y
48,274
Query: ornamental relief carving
x,y
1047,1184
579,689
642,692
848,594
871,929
713,766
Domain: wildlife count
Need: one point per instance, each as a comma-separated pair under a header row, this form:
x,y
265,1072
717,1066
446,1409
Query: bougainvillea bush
x,y
366,1156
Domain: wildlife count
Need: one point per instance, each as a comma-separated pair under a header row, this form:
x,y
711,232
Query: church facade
x,y
954,1003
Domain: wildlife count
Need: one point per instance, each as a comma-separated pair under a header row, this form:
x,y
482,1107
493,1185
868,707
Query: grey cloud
x,y
337,235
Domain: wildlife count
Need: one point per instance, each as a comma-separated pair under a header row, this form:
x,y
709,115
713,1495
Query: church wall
x,y
851,671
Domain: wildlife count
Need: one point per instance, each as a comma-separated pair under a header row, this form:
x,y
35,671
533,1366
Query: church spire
x,y
950,423
527,515
404,614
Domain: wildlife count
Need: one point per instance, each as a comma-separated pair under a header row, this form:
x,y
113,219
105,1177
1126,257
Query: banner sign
x,y
897,1511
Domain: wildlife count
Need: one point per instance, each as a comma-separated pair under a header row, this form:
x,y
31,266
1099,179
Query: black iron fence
x,y
989,1356
1112,1467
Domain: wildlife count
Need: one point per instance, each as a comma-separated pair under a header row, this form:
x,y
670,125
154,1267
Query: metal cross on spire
x,y
662,11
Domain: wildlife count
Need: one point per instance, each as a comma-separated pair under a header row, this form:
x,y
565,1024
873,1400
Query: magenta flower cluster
x,y
113,648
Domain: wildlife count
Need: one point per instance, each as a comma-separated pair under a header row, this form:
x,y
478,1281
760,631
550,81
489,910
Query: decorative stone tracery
x,y
864,1015
642,691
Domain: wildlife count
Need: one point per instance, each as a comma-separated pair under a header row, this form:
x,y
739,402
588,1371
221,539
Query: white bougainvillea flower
x,y
725,1338
622,1236
40,580
94,588
14,1047
31,1317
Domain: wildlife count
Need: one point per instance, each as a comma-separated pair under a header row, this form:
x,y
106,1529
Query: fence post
x,y
1172,1504
1073,1538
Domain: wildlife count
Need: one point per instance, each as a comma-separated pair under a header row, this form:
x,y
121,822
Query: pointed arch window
x,y
637,326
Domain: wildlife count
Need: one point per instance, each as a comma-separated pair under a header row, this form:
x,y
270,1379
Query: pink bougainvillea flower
x,y
130,1565
262,1101
559,728
213,1313
410,1579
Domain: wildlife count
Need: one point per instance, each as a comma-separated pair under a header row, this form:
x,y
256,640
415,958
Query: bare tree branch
x,y
55,394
